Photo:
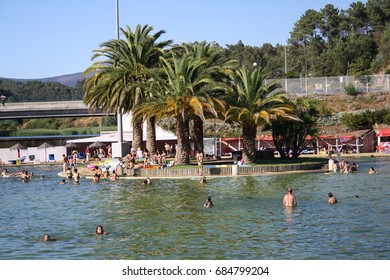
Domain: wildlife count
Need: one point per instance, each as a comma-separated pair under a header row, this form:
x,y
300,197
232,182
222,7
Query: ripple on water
x,y
166,220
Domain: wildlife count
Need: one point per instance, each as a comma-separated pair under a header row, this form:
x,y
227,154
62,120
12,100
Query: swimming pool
x,y
166,220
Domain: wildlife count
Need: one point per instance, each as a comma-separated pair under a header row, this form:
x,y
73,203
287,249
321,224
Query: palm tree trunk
x,y
249,143
198,135
137,134
151,135
182,134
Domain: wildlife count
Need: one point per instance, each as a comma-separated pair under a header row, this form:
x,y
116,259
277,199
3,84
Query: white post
x,y
357,145
234,169
326,85
215,138
317,144
330,164
306,84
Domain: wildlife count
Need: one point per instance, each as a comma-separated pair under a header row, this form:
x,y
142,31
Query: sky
x,y
48,38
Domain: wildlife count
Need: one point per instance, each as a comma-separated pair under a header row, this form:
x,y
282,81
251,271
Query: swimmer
x,y
208,203
147,181
100,231
106,173
76,176
203,180
95,178
353,167
114,176
332,199
62,182
69,173
46,237
5,173
372,171
289,199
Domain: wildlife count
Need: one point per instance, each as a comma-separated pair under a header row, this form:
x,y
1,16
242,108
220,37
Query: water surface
x,y
166,220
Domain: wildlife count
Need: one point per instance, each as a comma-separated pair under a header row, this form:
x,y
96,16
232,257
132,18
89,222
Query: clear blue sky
x,y
46,38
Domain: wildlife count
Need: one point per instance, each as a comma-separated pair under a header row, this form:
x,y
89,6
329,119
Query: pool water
x,y
166,220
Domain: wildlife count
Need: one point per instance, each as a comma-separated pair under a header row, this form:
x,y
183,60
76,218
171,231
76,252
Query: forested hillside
x,y
328,42
31,91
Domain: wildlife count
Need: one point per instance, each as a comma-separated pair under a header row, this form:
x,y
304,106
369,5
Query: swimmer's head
x,y
209,198
46,237
330,194
289,190
99,230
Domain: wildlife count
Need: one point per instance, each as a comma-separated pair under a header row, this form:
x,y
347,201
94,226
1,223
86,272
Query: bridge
x,y
51,109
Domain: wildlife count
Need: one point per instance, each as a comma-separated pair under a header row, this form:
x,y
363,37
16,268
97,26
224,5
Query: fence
x,y
222,171
336,85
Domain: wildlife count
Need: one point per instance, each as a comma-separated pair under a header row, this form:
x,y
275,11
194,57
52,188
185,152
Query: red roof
x,y
384,132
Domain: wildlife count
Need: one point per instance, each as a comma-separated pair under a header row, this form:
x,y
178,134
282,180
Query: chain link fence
x,y
336,85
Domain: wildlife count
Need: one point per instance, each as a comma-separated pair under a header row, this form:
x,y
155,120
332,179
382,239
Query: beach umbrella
x,y
18,147
45,145
71,145
97,144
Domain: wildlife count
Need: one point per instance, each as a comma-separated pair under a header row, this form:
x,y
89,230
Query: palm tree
x,y
216,69
253,103
114,83
182,94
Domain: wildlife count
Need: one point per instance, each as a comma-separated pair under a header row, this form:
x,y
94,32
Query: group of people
x,y
69,162
344,166
144,159
23,174
113,176
98,231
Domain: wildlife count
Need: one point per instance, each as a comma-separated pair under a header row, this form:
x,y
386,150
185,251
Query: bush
x,y
351,89
366,119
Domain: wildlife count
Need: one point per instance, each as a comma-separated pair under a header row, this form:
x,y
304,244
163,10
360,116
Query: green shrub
x,y
351,89
366,119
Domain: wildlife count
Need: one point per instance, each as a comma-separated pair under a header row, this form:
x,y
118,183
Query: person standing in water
x,y
332,199
199,158
289,199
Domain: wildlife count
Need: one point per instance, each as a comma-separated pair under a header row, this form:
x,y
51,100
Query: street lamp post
x,y
119,113
119,149
285,67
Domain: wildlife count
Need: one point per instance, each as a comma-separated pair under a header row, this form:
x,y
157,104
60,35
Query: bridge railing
x,y
54,105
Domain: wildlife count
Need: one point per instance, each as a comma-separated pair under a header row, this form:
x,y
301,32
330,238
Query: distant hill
x,y
67,80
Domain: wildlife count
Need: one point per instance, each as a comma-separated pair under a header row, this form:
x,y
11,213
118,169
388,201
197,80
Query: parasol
x,y
71,145
97,144
45,145
18,147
